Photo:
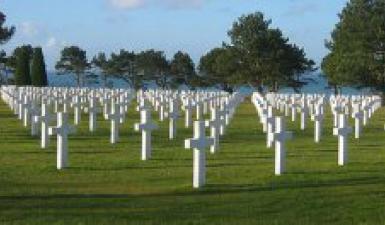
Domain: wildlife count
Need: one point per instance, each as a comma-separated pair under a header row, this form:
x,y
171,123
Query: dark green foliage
x,y
5,32
153,66
23,56
3,68
357,46
258,56
123,65
38,69
73,60
219,67
182,69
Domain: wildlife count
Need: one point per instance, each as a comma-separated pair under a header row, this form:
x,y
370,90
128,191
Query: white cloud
x,y
171,4
28,29
127,4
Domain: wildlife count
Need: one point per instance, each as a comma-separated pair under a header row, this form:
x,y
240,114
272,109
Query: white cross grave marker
x,y
62,130
146,126
214,123
199,143
342,131
280,136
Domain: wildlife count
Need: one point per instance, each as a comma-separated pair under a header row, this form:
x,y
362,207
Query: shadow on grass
x,y
210,189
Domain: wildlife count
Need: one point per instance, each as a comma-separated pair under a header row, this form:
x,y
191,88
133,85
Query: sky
x,y
193,26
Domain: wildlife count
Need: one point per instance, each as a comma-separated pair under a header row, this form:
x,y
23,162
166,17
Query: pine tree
x,y
38,69
357,47
22,70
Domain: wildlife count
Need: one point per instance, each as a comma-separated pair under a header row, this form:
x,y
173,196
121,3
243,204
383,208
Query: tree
x,y
101,62
154,66
38,69
264,56
357,47
182,68
5,32
219,67
22,66
123,66
73,60
3,67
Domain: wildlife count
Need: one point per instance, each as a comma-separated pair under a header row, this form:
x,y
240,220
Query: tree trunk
x,y
335,90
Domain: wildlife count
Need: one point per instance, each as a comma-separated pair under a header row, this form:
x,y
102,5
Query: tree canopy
x,y
153,66
357,46
182,68
258,55
73,60
38,68
5,32
23,56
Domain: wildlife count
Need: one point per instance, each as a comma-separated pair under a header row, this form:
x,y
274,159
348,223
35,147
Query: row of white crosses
x,y
115,103
32,105
360,107
275,129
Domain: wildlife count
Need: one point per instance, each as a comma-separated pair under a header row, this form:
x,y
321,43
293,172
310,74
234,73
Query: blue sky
x,y
194,26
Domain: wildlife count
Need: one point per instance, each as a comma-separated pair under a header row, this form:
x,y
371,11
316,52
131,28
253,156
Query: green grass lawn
x,y
109,184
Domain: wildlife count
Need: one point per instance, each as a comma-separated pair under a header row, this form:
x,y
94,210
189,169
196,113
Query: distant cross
x,y
357,115
77,105
214,123
45,118
93,111
318,118
114,116
34,111
173,117
222,115
304,113
270,121
188,107
26,107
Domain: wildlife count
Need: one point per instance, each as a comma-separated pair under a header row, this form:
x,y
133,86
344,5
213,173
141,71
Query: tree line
x,y
136,69
257,55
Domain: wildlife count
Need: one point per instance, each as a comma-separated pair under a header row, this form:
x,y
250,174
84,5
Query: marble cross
x,y
62,130
45,118
279,136
358,116
304,113
318,118
269,120
188,107
93,111
77,105
146,126
199,110
26,106
34,111
114,116
173,117
214,123
199,143
342,131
